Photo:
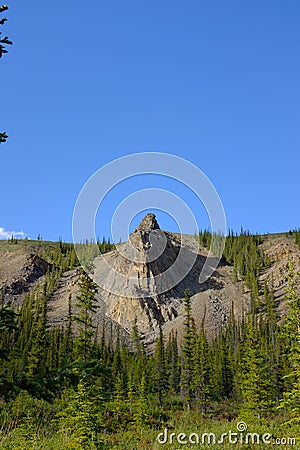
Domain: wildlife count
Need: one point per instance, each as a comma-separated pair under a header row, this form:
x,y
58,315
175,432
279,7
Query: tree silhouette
x,y
4,41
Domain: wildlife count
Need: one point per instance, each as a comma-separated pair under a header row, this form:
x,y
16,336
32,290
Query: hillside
x,y
23,265
115,368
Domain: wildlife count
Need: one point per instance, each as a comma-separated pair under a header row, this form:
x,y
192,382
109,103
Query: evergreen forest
x,y
74,387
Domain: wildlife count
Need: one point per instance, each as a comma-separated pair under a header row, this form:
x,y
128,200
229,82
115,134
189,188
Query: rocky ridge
x,y
132,285
19,272
22,268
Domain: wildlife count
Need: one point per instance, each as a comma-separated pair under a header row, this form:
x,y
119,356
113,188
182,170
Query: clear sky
x,y
215,82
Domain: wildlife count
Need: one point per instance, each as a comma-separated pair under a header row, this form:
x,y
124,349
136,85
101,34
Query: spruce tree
x,y
201,376
117,360
82,417
118,401
130,394
136,339
67,339
188,352
173,363
86,308
160,374
4,41
7,325
291,398
140,412
36,354
254,378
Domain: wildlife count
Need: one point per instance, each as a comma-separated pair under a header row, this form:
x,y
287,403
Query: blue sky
x,y
214,82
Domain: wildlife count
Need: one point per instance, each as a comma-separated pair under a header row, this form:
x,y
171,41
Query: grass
x,y
184,426
26,245
191,426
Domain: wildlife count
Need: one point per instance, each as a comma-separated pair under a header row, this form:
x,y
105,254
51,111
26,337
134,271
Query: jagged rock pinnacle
x,y
148,224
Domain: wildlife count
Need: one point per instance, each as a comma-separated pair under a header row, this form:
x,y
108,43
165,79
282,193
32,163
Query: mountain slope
x,y
140,293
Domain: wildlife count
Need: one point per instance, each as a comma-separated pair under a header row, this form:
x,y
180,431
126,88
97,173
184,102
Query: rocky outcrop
x,y
133,284
145,279
18,274
65,295
280,249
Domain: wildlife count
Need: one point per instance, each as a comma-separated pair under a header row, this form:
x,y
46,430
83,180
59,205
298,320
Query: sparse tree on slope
x,y
87,306
160,374
291,398
188,352
173,363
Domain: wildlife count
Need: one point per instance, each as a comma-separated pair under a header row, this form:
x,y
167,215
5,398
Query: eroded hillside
x,y
23,266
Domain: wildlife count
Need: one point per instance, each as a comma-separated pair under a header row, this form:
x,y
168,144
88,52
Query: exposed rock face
x,y
58,309
18,273
140,239
142,291
146,277
280,250
148,224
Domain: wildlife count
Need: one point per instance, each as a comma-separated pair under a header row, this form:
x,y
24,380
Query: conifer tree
x,y
140,358
136,339
36,353
201,375
222,364
188,352
140,412
4,41
117,360
130,394
272,341
7,325
118,401
86,307
102,347
67,339
173,363
253,379
160,375
82,418
291,398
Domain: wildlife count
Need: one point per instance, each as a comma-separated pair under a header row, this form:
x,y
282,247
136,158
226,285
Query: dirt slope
x,y
21,268
280,249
